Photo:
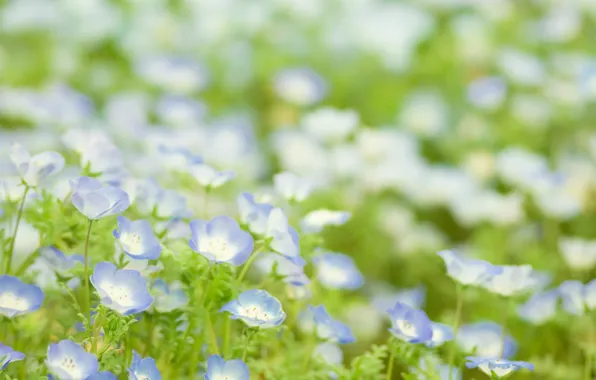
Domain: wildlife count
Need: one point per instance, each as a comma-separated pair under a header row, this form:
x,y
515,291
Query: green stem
x,y
211,333
226,337
588,366
504,326
390,365
248,264
87,292
249,336
8,255
456,323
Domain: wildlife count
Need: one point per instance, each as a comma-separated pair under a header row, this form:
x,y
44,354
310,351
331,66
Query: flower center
x,y
256,313
406,328
11,301
220,248
68,364
132,243
119,294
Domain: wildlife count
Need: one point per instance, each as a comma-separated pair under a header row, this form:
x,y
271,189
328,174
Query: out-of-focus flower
x,y
95,201
484,339
168,297
425,113
441,333
254,214
291,272
410,325
35,169
499,367
17,298
218,368
180,111
330,329
384,297
539,308
579,254
300,86
468,271
221,240
512,280
282,237
337,271
210,177
256,308
124,290
8,355
292,187
143,368
173,74
487,93
315,221
330,125
68,360
137,239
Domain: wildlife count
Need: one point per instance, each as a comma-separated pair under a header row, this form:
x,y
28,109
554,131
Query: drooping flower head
x,y
8,355
221,240
256,308
68,360
499,367
337,271
34,169
17,298
137,239
143,369
330,329
315,221
292,187
168,297
468,271
282,237
441,333
484,339
218,368
124,290
254,214
95,201
409,324
210,177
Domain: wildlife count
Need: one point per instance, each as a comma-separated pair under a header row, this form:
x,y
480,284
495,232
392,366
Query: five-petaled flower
x,y
221,240
96,200
137,239
17,298
68,360
409,324
256,308
143,368
218,368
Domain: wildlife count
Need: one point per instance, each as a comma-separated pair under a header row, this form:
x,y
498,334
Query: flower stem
x,y
226,337
390,365
248,264
8,255
211,333
504,326
87,292
249,336
456,323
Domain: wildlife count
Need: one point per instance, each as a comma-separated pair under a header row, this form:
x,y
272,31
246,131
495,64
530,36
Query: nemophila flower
x,y
513,280
143,369
499,367
579,254
441,333
484,340
105,375
221,240
220,369
256,308
291,272
330,125
17,298
150,198
95,200
331,353
539,308
100,155
34,169
300,86
210,177
168,297
409,324
330,329
176,157
292,187
254,214
8,355
282,237
174,74
315,221
137,239
124,290
487,93
384,297
143,266
468,271
425,113
68,360
177,110
58,261
573,294
337,271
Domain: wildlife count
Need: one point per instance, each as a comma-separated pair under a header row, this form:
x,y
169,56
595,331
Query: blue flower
x,y
255,215
173,74
291,272
468,271
58,261
331,353
17,298
8,355
441,333
105,375
165,203
330,329
484,339
499,367
68,360
178,110
256,308
33,170
168,297
210,177
410,325
221,240
513,280
315,221
95,201
283,239
577,296
541,307
487,93
143,369
137,239
337,271
292,187
218,368
124,291
384,297
300,86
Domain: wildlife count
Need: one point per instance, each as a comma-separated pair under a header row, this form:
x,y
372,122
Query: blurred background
x,y
439,124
